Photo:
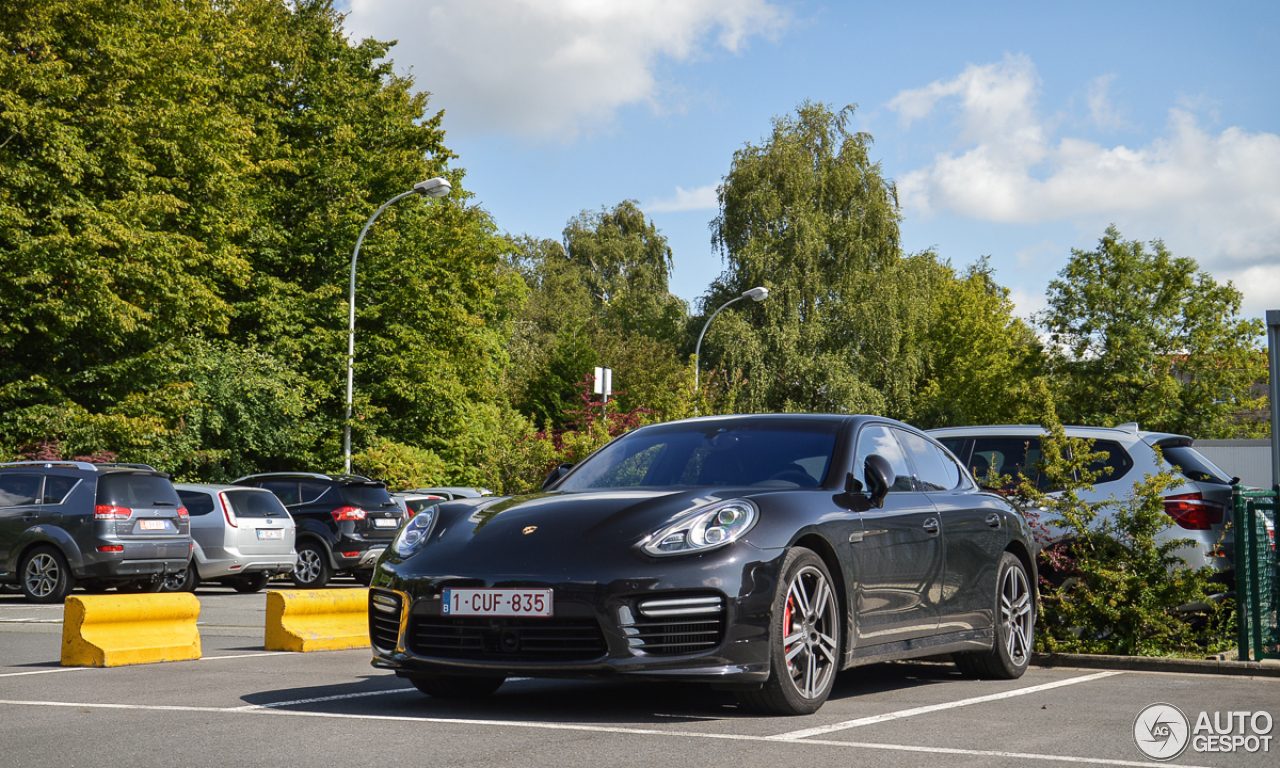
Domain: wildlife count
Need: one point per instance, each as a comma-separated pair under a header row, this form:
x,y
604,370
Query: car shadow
x,y
600,702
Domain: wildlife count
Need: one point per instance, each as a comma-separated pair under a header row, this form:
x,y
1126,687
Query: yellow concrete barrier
x,y
117,630
317,620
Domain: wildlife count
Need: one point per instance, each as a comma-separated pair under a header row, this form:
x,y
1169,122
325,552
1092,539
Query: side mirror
x,y
555,475
880,478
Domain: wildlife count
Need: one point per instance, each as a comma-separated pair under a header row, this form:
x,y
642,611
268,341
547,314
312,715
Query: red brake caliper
x,y
786,628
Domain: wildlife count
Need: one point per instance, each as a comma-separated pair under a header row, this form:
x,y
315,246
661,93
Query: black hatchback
x,y
99,525
344,522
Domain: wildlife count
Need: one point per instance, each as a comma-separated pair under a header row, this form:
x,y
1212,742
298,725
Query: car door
x,y
971,536
900,552
19,510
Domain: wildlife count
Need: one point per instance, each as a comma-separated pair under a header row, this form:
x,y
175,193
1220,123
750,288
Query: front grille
x,y
675,626
385,608
530,639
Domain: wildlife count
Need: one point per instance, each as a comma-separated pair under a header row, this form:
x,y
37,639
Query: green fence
x,y
1257,578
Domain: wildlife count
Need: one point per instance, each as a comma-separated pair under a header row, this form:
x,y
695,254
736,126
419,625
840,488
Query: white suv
x,y
1200,506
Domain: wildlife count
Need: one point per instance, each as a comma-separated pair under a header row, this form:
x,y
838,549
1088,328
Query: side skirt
x,y
953,642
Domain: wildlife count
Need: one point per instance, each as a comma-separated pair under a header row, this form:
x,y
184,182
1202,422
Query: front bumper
x,y
611,625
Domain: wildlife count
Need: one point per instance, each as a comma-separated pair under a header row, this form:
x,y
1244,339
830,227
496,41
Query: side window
x,y
309,492
1012,456
935,470
876,439
285,490
1118,461
197,503
19,490
56,488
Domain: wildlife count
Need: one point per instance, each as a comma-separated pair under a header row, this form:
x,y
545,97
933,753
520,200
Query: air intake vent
x,y
525,639
385,609
675,626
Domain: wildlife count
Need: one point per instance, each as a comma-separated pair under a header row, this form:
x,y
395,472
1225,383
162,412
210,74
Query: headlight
x,y
706,528
414,533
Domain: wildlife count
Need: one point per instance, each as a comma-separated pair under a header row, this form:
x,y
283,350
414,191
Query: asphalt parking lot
x,y
242,706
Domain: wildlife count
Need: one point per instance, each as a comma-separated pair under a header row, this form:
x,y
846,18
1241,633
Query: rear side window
x,y
934,469
1194,465
366,496
197,503
56,488
255,504
136,491
1118,461
309,492
285,490
19,490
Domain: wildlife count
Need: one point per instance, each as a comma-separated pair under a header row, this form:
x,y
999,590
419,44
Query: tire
x,y
456,686
312,570
804,640
183,581
254,582
46,577
1014,630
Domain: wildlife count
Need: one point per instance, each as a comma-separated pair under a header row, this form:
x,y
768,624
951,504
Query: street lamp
x,y
759,293
436,187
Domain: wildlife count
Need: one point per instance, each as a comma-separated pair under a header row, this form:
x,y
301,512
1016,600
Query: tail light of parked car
x,y
348,513
227,512
111,512
182,512
1193,512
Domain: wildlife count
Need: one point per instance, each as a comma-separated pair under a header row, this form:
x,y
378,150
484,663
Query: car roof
x,y
84,466
305,476
456,490
1130,431
216,487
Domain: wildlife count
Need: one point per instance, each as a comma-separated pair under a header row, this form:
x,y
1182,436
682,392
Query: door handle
x,y
931,525
993,520
29,516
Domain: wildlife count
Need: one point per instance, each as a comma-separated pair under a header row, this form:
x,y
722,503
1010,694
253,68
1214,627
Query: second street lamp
x,y
759,293
436,187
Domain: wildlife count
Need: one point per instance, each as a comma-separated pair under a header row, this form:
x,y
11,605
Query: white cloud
x,y
1104,113
1212,196
699,199
549,69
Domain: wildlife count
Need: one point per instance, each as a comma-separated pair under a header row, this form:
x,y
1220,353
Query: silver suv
x,y
1199,506
64,523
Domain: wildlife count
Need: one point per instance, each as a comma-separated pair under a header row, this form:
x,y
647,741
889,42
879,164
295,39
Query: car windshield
x,y
786,453
366,496
1194,466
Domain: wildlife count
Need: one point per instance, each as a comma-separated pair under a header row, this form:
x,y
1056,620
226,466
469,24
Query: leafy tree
x,y
981,358
1138,334
809,215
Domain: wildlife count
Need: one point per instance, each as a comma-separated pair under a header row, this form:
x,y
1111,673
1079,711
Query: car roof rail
x,y
128,465
313,475
65,463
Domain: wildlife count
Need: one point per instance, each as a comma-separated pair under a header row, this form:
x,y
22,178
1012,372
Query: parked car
x,y
243,537
418,499
64,523
1199,506
344,522
735,550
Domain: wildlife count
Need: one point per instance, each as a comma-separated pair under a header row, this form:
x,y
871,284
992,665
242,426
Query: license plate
x,y
153,525
496,602
270,533
386,522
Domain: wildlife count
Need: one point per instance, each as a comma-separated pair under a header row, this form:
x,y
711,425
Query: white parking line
x,y
319,699
795,735
44,671
669,734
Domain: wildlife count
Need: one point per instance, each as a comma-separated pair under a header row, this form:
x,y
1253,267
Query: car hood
x,y
535,532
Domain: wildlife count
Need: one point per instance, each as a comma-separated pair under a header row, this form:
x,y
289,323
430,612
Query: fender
x,y
46,534
305,535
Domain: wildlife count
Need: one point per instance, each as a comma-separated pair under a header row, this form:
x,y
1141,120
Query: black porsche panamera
x,y
761,553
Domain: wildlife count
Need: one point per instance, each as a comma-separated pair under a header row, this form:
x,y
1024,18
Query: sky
x,y
1017,131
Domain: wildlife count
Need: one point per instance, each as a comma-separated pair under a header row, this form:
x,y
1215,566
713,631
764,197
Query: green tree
x,y
981,358
809,215
1138,334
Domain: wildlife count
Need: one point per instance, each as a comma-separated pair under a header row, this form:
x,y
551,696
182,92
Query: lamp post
x,y
759,293
436,187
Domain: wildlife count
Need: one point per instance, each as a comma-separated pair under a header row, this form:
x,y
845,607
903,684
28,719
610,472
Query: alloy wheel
x,y
1016,616
309,565
42,575
809,644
